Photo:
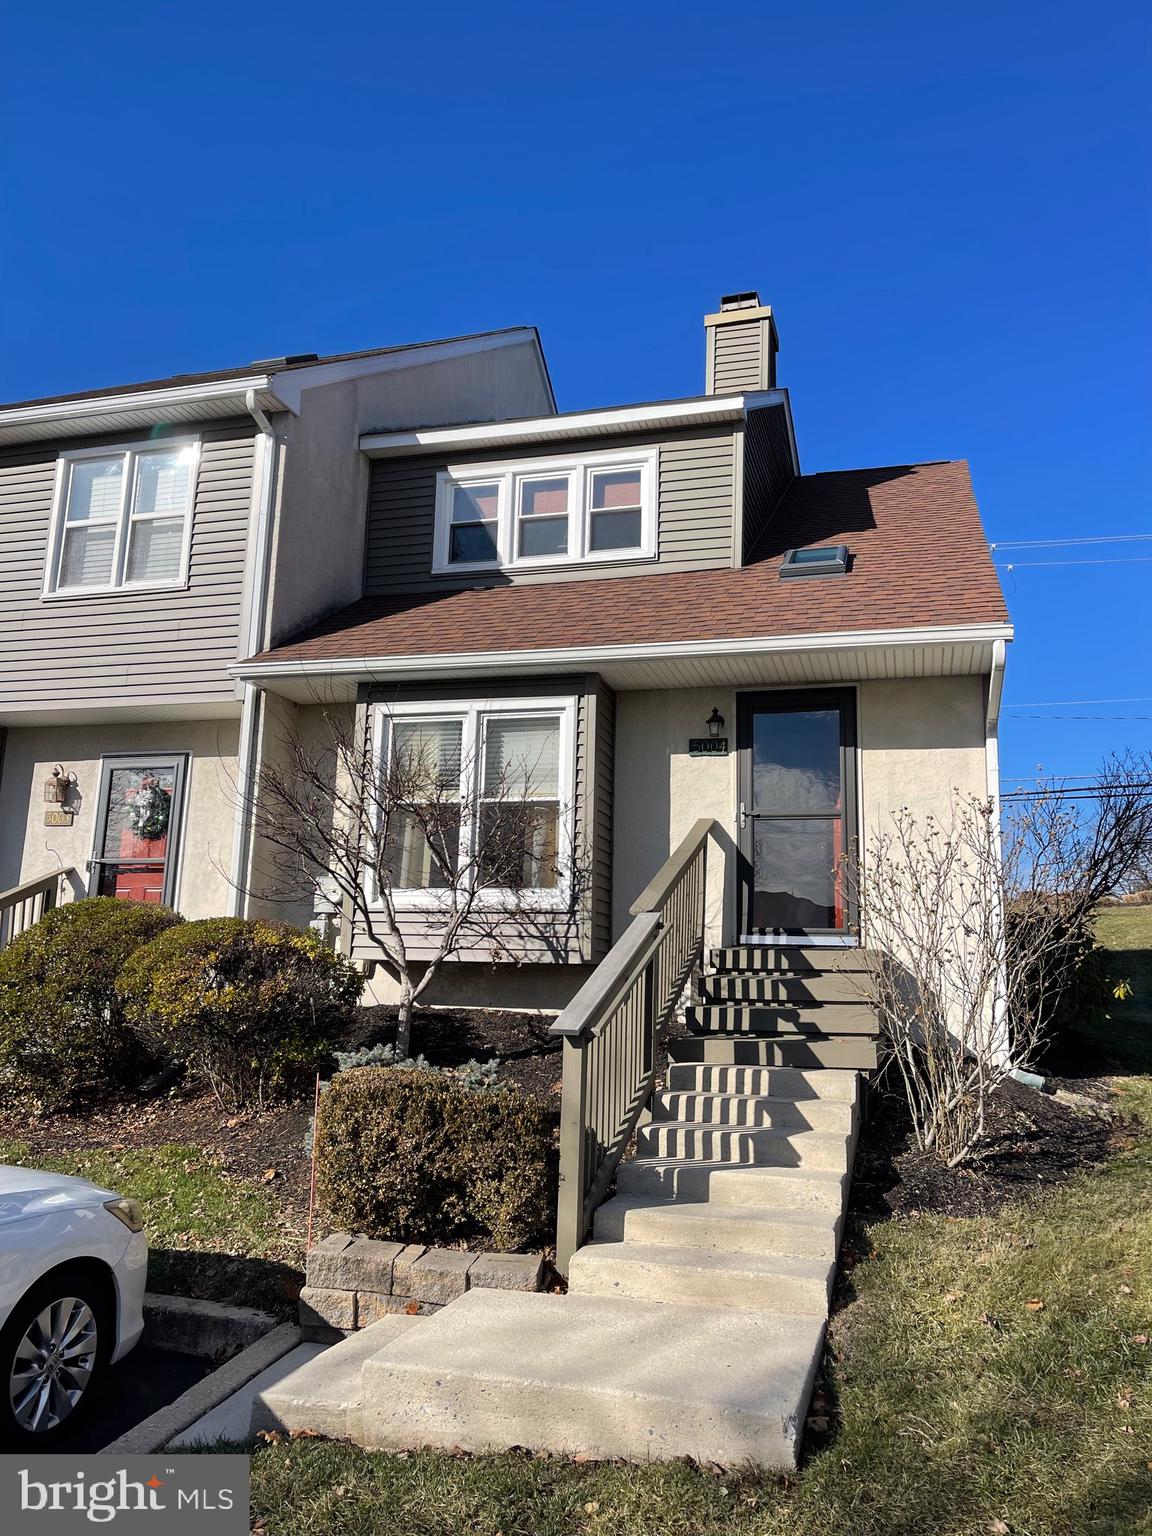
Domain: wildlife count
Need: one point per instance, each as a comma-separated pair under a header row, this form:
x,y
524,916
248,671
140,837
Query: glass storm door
x,y
797,804
137,826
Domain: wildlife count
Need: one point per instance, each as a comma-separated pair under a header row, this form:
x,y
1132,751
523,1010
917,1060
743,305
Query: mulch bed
x,y
448,1037
1035,1140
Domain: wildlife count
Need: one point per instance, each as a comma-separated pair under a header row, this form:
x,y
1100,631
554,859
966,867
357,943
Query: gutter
x,y
578,656
260,537
992,725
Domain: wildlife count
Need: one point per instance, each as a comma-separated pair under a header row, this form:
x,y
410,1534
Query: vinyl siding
x,y
767,470
583,932
738,357
124,648
694,505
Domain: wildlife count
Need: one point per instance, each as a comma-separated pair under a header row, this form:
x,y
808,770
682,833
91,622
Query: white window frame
x,y
472,713
510,475
125,517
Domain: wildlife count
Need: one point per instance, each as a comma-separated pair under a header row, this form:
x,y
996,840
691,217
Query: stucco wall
x,y
28,848
661,791
921,740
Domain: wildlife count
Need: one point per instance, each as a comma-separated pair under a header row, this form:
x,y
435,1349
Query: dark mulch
x,y
448,1037
1035,1140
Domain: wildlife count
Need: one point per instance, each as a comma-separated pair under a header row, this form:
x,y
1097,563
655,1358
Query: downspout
x,y
247,751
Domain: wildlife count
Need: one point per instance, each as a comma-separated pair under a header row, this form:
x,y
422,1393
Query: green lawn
x,y
209,1234
1126,1038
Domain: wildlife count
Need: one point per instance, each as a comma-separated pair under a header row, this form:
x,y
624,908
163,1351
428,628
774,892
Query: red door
x,y
136,829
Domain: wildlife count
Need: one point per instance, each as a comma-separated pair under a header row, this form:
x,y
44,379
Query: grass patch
x,y
958,1402
1123,1041
209,1234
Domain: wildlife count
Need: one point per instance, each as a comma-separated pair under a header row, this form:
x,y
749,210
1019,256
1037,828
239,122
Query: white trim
x,y
665,413
992,725
510,475
847,640
126,518
137,400
290,384
471,713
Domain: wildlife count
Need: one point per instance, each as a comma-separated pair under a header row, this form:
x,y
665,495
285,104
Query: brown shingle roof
x,y
918,557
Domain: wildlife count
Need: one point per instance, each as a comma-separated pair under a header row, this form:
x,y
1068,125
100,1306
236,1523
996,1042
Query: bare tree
x,y
974,928
392,832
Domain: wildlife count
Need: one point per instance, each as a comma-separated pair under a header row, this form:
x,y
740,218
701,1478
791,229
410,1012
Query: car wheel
x,y
53,1349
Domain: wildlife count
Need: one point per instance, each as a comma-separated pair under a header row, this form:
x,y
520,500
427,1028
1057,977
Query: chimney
x,y
741,346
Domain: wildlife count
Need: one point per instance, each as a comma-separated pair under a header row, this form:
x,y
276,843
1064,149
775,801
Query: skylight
x,y
825,560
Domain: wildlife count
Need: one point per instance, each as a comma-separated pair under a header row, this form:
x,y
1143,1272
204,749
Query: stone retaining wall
x,y
354,1281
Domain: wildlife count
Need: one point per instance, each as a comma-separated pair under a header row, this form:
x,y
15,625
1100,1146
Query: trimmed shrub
x,y
250,1008
63,1038
413,1156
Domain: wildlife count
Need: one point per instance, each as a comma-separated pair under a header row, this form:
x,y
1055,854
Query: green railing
x,y
609,1032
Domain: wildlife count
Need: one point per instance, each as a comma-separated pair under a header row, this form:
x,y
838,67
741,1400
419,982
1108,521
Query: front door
x,y
137,827
797,810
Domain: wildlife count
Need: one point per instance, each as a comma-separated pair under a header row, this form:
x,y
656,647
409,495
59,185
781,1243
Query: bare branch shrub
x,y
975,928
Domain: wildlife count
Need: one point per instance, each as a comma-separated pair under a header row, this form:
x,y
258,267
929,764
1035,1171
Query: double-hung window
x,y
122,518
592,507
478,797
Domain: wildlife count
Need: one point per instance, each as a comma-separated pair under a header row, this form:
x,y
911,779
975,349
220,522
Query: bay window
x,y
587,508
122,518
478,796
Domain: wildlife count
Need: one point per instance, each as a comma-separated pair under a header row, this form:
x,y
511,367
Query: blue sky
x,y
948,212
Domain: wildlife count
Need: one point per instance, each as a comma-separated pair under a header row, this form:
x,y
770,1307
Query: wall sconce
x,y
56,788
715,722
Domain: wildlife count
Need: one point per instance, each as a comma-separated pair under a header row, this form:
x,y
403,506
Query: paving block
x,y
325,1308
402,1269
441,1274
507,1272
364,1264
370,1307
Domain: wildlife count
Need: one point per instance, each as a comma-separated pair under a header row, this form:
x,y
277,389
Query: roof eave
x,y
152,407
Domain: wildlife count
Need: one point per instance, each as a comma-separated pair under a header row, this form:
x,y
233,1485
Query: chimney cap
x,y
748,300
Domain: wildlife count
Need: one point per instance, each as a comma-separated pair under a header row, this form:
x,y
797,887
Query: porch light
x,y
56,788
715,722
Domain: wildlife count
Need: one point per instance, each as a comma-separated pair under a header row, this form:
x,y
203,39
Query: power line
x,y
1097,538
1064,703
1074,794
1014,715
1021,565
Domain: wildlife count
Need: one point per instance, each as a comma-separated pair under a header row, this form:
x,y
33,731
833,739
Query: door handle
x,y
743,815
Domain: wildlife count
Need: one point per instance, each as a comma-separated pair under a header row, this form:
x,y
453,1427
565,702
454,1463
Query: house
x,y
654,602
151,536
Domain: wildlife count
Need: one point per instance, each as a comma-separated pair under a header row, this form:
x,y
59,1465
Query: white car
x,y
73,1264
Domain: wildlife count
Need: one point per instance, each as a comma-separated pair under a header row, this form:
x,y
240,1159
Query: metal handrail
x,y
609,1032
23,905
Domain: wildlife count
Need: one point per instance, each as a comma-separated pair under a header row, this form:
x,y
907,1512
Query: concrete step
x,y
322,1396
773,1082
675,1178
789,959
824,1020
597,1375
764,1146
857,1054
750,1109
811,1233
706,1277
732,987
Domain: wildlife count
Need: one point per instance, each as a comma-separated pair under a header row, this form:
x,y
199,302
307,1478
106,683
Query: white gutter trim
x,y
714,407
847,640
140,400
260,543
